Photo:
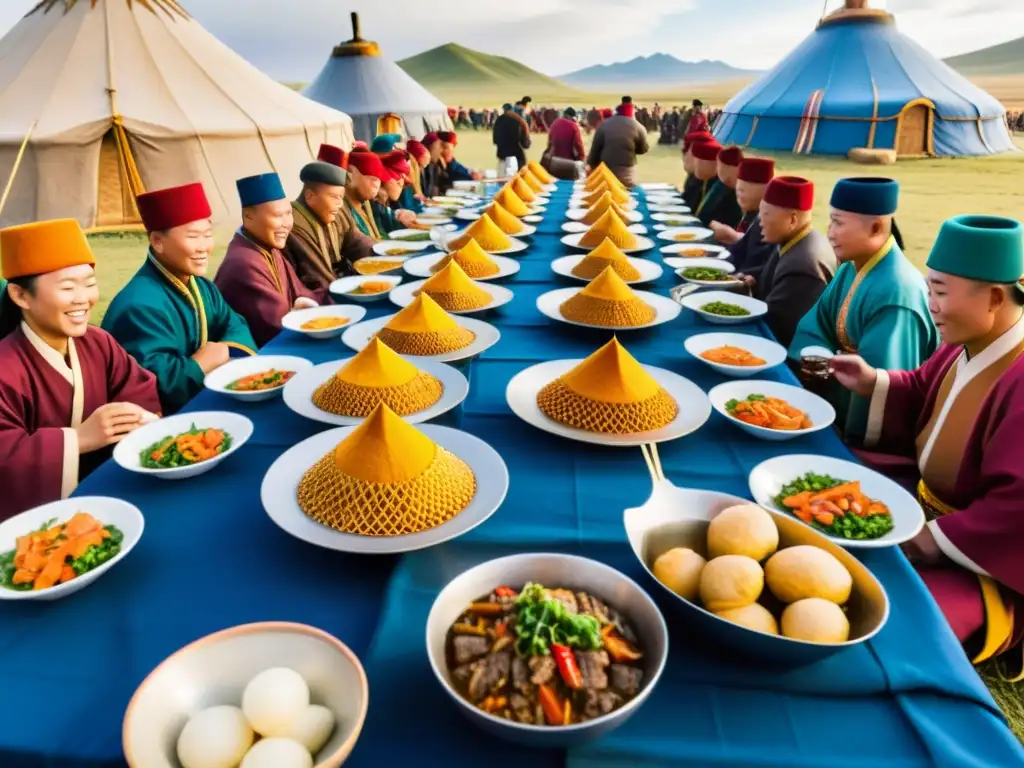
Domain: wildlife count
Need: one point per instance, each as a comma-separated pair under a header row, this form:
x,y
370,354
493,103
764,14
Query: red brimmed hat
x,y
695,137
448,137
707,150
170,208
369,164
397,162
757,170
731,156
417,149
790,192
430,139
334,155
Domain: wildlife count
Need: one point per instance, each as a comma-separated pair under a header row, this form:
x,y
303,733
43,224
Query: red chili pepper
x,y
567,666
505,592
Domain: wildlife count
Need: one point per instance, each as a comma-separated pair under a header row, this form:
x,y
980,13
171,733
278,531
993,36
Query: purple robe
x,y
43,398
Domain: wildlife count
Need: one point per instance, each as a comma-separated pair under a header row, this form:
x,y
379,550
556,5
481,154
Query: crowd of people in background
x,y
1015,121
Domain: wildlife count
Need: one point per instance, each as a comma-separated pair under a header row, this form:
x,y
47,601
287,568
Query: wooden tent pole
x,y
17,164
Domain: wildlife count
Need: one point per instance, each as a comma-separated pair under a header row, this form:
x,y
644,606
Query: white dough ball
x,y
273,699
312,728
277,753
217,737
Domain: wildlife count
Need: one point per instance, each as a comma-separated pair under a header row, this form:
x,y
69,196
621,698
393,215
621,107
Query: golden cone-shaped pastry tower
x,y
619,195
473,260
511,202
486,234
377,375
424,328
601,207
540,172
607,254
531,181
522,190
386,479
452,289
601,167
603,175
608,302
610,227
609,392
506,222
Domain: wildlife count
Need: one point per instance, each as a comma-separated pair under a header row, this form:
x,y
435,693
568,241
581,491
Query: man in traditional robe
x,y
255,278
720,205
456,170
960,417
695,119
511,137
387,212
705,168
877,306
419,157
802,262
436,178
68,391
366,174
618,143
747,248
169,317
693,187
388,144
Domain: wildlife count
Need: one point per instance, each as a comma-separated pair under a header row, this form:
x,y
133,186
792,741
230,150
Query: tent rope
x,y
17,165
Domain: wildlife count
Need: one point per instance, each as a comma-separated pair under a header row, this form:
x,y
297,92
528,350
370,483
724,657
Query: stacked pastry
x,y
473,260
424,328
452,289
607,254
608,302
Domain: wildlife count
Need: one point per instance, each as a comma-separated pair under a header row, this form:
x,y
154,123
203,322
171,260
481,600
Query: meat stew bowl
x,y
599,706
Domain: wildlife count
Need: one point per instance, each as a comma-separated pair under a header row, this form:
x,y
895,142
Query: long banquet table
x,y
210,559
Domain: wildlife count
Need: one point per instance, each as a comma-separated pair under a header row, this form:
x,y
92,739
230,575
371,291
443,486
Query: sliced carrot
x,y
825,518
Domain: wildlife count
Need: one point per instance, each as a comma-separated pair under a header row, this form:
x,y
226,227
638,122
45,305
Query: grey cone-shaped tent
x,y
365,85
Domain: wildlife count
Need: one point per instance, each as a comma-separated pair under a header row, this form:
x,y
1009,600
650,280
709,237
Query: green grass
x,y
468,69
1004,59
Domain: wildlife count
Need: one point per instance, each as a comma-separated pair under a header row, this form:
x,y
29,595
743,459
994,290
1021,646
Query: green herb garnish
x,y
166,454
706,274
726,310
542,621
92,559
418,237
849,526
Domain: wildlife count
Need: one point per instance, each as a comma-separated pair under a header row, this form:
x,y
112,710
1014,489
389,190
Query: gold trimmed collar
x,y
794,241
189,291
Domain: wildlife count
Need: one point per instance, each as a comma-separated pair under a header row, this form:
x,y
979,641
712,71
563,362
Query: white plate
x,y
429,220
293,320
521,394
420,266
280,493
663,208
649,271
819,410
441,239
769,477
398,261
298,393
517,246
456,201
770,351
578,227
382,248
693,221
670,217
673,200
710,251
720,264
550,302
405,294
464,193
233,370
344,286
652,186
756,307
642,244
533,219
358,336
581,202
577,214
128,451
699,233
107,511
399,234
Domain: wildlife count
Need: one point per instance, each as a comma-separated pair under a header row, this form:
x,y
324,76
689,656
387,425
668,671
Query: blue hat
x,y
256,190
987,248
385,142
867,196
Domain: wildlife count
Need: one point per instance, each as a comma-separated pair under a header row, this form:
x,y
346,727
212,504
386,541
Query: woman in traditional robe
x,y
960,417
169,317
68,391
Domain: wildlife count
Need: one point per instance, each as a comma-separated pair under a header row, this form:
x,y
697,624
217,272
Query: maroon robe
x,y
40,407
260,285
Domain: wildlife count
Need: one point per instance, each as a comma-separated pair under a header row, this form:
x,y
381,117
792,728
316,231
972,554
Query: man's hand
x,y
749,281
406,218
304,302
212,356
923,550
477,175
855,374
108,424
724,233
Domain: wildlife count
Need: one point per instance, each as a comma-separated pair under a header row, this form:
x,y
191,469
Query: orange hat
x,y
43,247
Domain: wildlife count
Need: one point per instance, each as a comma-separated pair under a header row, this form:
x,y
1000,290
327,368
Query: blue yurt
x,y
858,82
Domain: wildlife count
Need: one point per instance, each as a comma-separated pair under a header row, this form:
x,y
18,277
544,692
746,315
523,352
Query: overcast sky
x,y
291,39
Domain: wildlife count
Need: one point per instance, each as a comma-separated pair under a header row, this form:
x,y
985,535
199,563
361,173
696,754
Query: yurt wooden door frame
x,y
119,182
914,129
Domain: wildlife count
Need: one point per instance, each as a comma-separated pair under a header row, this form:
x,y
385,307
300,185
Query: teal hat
x,y
986,248
256,190
868,196
385,143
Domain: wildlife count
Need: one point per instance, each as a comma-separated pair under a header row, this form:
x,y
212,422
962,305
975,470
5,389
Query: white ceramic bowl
x,y
384,247
768,478
819,410
649,270
215,670
695,302
343,287
698,234
421,266
720,265
294,320
107,511
127,452
233,370
406,294
552,570
770,351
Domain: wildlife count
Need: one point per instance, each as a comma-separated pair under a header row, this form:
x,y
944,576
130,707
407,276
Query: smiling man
x,y
169,317
68,391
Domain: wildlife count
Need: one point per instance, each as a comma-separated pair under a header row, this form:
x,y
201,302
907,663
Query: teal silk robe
x,y
161,322
385,219
880,314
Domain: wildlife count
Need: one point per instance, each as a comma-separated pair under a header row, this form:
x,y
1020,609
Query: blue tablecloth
x,y
210,559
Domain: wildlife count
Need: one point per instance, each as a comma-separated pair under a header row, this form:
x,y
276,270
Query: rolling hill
x,y
1004,59
655,71
454,68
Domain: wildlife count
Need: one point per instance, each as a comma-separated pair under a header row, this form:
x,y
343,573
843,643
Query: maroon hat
x,y
360,145
448,137
731,156
430,139
169,208
369,164
696,137
706,150
625,110
606,113
417,149
397,162
757,170
790,192
334,155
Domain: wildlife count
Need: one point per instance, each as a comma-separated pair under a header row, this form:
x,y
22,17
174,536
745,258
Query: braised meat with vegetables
x,y
548,657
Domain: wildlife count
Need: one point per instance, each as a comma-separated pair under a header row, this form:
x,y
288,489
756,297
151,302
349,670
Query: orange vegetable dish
x,y
372,286
375,266
825,506
185,449
685,237
728,355
261,382
45,558
692,253
323,323
768,412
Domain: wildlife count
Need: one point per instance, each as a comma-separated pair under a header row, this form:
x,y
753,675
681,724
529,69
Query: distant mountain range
x,y
657,71
1004,59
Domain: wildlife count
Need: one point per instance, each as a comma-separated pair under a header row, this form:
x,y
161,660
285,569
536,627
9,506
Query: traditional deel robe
x,y
458,172
879,313
693,191
407,200
429,180
793,278
162,322
719,204
321,253
385,219
260,285
365,221
962,419
750,253
44,397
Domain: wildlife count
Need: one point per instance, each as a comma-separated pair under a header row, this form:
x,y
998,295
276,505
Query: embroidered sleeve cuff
x,y
950,550
876,411
69,472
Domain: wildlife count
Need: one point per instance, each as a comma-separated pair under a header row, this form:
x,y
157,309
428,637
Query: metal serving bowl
x,y
551,570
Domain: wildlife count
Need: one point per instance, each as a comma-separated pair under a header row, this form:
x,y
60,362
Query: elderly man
x,y
705,169
693,187
877,307
255,278
960,417
719,204
617,143
747,248
366,174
